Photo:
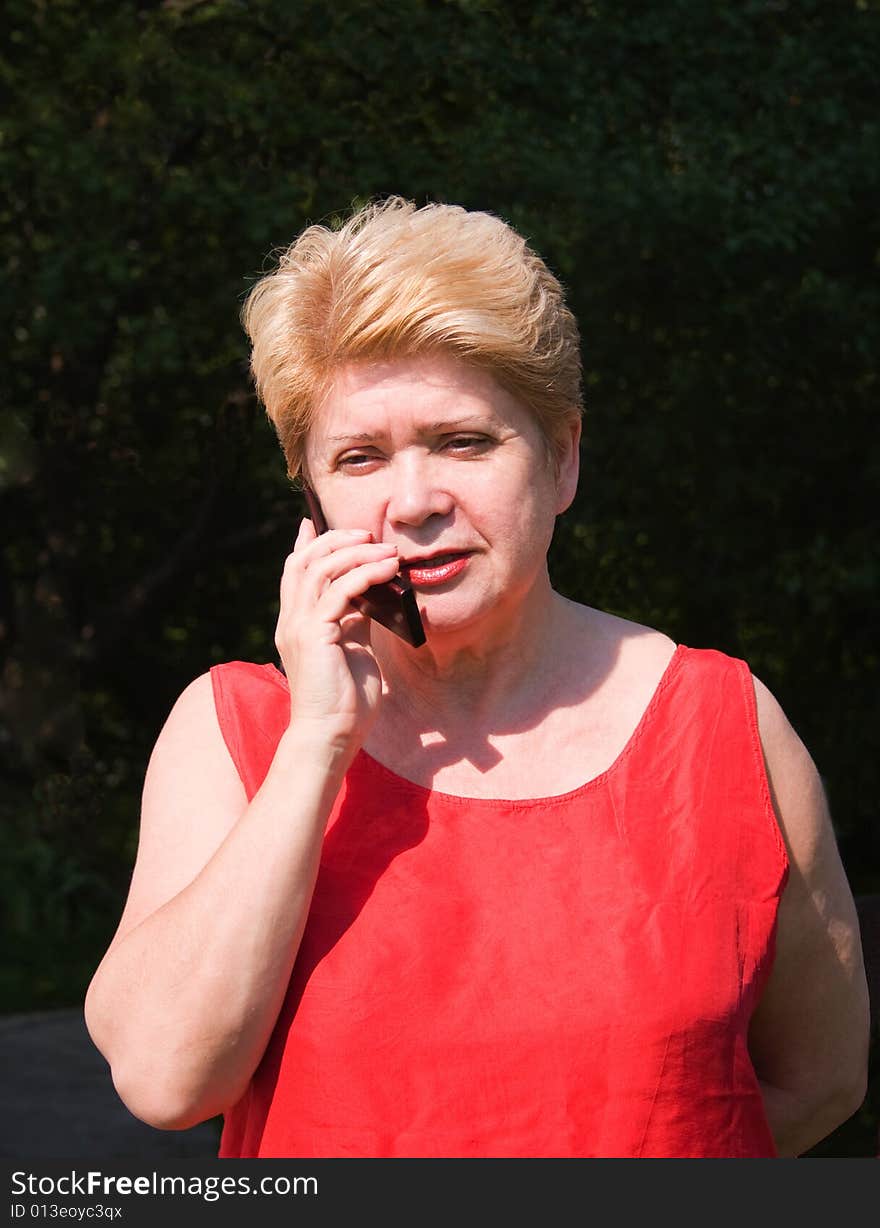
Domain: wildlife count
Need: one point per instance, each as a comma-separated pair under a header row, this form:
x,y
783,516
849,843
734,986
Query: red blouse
x,y
559,976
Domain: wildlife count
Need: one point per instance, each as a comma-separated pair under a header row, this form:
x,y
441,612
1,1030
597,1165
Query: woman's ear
x,y
567,450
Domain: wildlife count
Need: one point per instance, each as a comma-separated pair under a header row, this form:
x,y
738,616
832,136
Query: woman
x,y
520,890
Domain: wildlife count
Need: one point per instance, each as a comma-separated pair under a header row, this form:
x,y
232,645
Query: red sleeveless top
x,y
559,976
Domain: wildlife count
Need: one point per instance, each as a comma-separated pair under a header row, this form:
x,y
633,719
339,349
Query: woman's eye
x,y
467,443
356,460
458,445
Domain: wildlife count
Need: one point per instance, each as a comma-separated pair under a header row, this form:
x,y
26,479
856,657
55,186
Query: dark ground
x,y
59,1102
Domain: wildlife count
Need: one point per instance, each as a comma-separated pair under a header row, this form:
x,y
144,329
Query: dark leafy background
x,y
703,178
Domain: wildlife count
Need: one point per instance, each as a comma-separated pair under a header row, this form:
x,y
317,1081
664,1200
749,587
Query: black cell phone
x,y
392,604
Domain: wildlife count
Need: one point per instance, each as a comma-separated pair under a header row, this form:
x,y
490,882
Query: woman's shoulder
x,y
625,662
191,726
243,671
207,712
619,644
626,647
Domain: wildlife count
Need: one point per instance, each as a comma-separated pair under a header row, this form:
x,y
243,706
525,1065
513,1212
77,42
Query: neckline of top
x,y
425,791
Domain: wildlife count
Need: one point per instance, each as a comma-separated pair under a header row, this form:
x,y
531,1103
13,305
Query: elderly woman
x,y
546,884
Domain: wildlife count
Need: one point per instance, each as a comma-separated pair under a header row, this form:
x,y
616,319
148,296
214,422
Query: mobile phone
x,y
392,604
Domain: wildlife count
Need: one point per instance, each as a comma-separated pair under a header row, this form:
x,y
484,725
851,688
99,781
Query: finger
x,y
306,549
327,568
306,532
336,602
303,583
356,630
302,588
310,545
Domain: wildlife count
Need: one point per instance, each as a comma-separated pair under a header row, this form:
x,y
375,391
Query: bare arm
x,y
184,1001
809,1035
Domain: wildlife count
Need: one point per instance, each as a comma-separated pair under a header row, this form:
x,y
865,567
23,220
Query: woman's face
x,y
436,457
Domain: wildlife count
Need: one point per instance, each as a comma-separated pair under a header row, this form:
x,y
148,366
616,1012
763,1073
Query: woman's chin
x,y
450,614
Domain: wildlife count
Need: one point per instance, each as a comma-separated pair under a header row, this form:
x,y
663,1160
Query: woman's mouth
x,y
422,573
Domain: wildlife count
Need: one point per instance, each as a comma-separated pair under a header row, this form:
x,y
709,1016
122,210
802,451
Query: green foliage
x,y
61,875
702,177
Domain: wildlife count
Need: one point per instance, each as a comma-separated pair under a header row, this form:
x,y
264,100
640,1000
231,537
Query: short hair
x,y
395,280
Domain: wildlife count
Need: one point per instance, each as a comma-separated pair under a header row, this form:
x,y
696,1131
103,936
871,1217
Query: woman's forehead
x,y
432,372
367,396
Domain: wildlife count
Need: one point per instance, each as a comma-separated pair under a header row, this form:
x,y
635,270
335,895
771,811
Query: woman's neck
x,y
480,676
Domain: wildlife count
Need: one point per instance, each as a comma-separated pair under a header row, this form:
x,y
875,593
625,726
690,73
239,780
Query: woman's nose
x,y
416,493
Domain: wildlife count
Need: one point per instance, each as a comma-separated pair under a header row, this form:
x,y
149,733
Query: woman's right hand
x,y
323,641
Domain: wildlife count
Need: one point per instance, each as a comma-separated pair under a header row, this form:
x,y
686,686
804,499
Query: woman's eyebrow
x,y
442,426
358,437
471,422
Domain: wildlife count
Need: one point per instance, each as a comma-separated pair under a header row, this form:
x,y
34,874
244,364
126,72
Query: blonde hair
x,y
397,280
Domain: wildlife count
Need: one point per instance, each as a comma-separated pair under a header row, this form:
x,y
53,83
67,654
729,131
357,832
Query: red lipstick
x,y
424,573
